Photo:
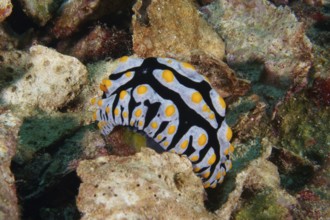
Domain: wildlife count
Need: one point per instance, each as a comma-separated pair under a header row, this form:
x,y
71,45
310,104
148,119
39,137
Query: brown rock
x,y
173,29
144,186
76,13
9,126
101,43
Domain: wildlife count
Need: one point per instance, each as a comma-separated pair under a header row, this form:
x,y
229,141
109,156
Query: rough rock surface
x,y
40,11
9,125
173,29
8,40
146,185
100,43
76,13
257,31
259,175
13,65
39,86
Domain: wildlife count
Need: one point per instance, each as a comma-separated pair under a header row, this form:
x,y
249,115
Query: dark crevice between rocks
x,y
295,172
47,183
57,202
50,200
18,20
143,14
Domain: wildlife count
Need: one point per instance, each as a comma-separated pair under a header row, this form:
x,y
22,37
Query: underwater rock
x,y
40,11
13,65
257,31
265,204
173,29
221,77
314,198
8,40
258,176
315,2
146,185
304,128
51,80
100,43
9,126
74,14
5,9
280,2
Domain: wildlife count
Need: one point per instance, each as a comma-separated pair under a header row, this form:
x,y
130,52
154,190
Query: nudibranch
x,y
172,104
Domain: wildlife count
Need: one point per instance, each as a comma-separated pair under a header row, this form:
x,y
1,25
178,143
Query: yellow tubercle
x,y
171,129
142,90
229,134
212,159
107,82
218,175
116,111
94,116
107,109
122,94
184,144
154,125
202,140
226,151
169,111
206,174
196,97
168,76
138,113
196,169
123,59
100,102
188,66
103,88
222,102
206,185
194,158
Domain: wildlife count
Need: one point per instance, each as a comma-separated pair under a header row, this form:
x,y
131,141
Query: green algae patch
x,y
263,205
304,129
244,106
42,131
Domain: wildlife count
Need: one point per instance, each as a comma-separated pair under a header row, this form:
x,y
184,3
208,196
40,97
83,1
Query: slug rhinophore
x,y
172,104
